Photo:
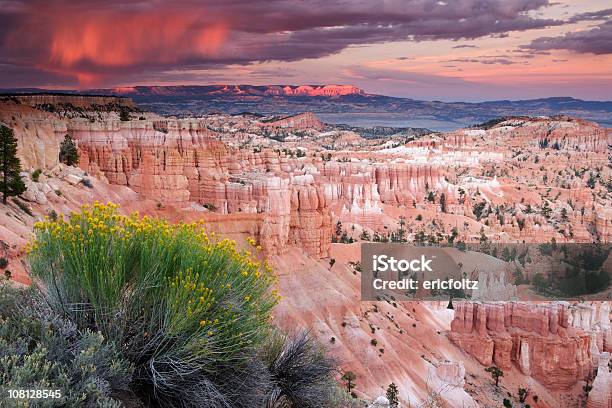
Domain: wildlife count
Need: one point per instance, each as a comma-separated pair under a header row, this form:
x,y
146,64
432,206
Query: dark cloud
x,y
486,59
500,61
465,46
592,16
597,40
101,41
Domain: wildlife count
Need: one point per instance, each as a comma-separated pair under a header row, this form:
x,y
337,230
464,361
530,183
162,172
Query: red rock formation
x,y
600,395
300,121
543,340
321,90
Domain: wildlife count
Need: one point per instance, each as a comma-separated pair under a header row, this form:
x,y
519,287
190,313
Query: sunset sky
x,y
447,50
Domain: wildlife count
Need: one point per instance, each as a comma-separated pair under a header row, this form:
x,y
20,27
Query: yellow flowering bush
x,y
173,298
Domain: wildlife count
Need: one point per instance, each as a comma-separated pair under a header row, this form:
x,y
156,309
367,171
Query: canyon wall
x,y
176,162
556,343
80,101
600,395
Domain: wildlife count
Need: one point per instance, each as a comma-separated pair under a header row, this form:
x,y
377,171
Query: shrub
x,y
23,206
41,350
124,115
36,174
3,262
186,310
349,377
522,393
300,373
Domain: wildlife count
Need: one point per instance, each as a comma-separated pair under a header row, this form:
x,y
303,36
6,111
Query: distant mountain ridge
x,y
342,104
236,90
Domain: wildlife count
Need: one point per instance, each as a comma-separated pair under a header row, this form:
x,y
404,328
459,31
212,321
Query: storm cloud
x,y
597,40
97,42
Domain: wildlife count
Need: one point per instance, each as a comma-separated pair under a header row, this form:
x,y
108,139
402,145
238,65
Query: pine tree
x,y
349,377
68,152
124,115
443,202
392,395
11,183
495,372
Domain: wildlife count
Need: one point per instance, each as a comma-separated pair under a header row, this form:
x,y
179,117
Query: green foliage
x,y
591,181
124,115
41,350
460,245
36,175
53,215
300,373
454,234
546,210
23,206
539,282
496,373
349,378
365,235
393,395
11,183
3,262
68,154
585,272
478,209
507,403
172,299
522,393
431,197
564,216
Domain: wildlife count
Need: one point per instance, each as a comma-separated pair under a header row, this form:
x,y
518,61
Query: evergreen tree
x,y
392,395
124,115
68,152
11,183
522,392
495,372
564,214
443,202
349,377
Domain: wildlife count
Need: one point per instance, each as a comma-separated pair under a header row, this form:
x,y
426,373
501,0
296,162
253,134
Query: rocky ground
x,y
296,185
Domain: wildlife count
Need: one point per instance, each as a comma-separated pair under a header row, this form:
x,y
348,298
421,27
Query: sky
x,y
448,50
